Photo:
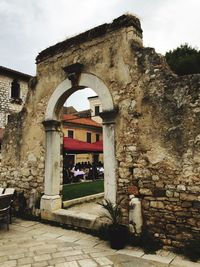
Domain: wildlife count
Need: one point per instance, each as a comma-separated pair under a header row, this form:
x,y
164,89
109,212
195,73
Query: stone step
x,y
75,218
82,200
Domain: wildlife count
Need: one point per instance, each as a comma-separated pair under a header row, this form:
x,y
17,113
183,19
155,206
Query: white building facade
x,y
13,91
95,107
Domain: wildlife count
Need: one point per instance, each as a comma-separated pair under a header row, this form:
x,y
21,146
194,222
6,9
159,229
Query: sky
x,y
30,26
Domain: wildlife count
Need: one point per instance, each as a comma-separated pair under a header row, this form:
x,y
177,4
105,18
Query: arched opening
x,y
83,172
51,199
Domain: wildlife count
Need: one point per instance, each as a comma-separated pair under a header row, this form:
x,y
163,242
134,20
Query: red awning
x,y
98,145
76,146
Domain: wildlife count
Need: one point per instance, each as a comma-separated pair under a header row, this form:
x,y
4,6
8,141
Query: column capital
x,y
109,116
51,125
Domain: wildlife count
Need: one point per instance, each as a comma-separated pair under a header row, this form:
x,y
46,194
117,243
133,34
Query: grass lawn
x,y
71,191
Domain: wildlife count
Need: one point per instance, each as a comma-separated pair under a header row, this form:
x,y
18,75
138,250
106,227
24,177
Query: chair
x,y
1,190
78,177
5,201
10,191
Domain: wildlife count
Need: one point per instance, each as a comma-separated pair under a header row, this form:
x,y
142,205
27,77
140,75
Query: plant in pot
x,y
117,232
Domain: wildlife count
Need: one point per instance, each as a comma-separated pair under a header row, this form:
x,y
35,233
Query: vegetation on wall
x,y
184,60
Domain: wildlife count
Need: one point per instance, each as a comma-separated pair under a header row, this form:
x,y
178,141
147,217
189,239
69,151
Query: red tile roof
x,y
77,120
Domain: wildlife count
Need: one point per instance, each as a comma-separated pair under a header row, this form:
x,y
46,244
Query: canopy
x,y
77,147
98,144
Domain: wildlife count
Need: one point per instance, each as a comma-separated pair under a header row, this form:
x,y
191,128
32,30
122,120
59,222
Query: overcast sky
x,y
29,26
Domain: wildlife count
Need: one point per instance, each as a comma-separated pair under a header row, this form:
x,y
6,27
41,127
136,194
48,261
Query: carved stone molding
x,y
73,73
51,125
108,117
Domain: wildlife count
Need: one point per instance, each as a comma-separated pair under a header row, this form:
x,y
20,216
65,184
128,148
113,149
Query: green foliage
x,y
184,60
192,249
113,212
146,241
116,232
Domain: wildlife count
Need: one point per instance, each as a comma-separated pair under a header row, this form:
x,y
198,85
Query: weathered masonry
x,y
150,119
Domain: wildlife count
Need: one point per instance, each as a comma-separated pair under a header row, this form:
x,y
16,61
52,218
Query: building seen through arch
x,y
83,143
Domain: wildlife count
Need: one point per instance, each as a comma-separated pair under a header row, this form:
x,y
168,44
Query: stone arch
x,y
65,89
51,199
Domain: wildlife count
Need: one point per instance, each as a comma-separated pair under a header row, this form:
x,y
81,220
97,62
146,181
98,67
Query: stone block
x,y
26,260
159,184
192,221
169,193
188,197
157,192
181,187
177,262
193,189
196,204
87,263
157,204
50,203
186,204
155,178
172,229
145,191
145,204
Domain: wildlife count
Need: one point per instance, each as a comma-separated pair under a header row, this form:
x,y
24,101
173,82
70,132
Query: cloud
x,y
174,23
29,26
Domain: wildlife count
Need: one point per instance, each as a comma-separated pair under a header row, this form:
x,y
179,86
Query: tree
x,y
184,60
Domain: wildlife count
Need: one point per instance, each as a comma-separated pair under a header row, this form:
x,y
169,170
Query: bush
x,y
146,241
184,60
192,249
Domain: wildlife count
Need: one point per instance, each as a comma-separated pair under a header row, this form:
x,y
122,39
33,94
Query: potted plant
x,y
117,232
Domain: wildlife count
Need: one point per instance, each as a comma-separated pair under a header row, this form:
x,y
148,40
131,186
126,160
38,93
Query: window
x,y
97,111
97,137
70,133
15,89
89,137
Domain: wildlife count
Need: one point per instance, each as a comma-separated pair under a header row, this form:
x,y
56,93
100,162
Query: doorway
x,y
51,200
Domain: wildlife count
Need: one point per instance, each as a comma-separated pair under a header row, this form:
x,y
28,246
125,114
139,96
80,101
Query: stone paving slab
x,y
33,244
183,263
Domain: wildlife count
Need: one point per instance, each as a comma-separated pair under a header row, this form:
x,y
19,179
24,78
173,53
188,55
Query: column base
x,y
50,203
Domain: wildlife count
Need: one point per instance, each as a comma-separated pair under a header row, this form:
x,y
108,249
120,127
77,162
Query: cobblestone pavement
x,y
32,244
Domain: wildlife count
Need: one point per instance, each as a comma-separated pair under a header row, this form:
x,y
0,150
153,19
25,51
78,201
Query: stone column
x,y
110,183
51,199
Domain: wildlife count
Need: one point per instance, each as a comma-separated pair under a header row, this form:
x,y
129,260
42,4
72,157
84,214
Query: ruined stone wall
x,y
160,132
156,130
24,142
22,173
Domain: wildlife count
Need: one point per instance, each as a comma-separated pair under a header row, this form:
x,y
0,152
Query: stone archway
x,y
51,199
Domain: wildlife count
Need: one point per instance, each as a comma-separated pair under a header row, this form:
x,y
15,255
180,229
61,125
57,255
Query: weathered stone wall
x,y
161,148
23,173
156,130
99,50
